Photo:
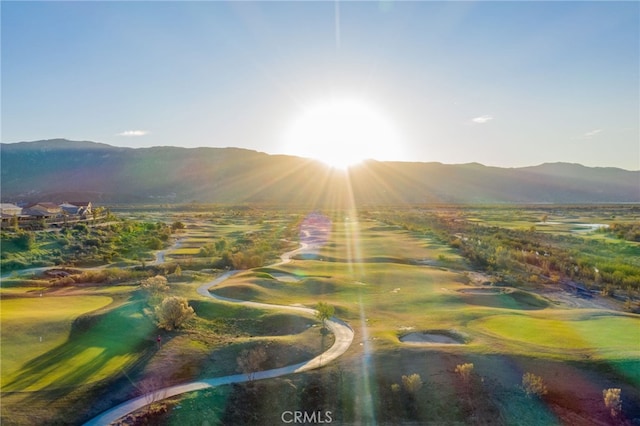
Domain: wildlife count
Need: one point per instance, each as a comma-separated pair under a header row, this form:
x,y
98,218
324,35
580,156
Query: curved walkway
x,y
343,338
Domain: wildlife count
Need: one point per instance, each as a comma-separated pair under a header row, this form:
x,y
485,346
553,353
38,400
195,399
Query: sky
x,y
506,84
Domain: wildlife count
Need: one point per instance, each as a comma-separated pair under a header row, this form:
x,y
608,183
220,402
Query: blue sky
x,y
500,83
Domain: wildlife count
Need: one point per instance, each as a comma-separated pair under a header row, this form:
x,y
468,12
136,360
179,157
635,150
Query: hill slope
x,y
58,170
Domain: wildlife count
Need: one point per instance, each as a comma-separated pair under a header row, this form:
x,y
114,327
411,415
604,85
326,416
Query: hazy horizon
x,y
504,84
293,155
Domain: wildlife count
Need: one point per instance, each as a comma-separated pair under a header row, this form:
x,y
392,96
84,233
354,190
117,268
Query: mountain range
x,y
59,170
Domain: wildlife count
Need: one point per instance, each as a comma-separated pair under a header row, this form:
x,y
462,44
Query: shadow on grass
x,y
517,300
98,351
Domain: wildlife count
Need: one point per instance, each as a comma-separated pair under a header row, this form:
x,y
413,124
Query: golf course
x,y
408,310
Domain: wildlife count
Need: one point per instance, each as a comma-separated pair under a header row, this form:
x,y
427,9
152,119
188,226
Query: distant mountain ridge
x,y
59,169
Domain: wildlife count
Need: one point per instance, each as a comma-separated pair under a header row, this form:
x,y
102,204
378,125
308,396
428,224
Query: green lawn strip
x,y
20,290
100,346
185,251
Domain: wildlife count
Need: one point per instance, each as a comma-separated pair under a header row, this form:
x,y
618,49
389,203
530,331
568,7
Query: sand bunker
x,y
485,290
431,338
285,277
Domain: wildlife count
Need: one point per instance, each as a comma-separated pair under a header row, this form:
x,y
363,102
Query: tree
x,y
95,213
153,390
412,383
464,371
154,243
14,223
250,361
533,385
612,400
324,311
173,312
154,288
221,244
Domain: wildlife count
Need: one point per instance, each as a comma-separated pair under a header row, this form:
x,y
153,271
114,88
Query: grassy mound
x,y
503,298
239,291
281,324
319,285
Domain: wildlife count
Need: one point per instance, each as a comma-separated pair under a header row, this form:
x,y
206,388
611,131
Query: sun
x,y
342,133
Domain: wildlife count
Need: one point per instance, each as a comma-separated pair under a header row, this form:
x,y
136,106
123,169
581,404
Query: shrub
x,y
612,400
154,243
64,281
173,312
533,385
25,240
607,290
11,264
395,388
177,225
81,227
412,383
464,371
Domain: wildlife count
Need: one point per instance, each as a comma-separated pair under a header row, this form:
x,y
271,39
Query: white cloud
x,y
482,119
591,133
133,133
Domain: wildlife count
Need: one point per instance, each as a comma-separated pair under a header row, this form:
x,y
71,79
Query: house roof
x,y
37,213
9,206
45,204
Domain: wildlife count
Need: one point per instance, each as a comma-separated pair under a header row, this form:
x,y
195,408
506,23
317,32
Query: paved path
x,y
343,338
161,254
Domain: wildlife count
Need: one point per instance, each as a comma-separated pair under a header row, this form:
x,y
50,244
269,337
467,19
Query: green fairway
x,y
98,347
33,326
607,337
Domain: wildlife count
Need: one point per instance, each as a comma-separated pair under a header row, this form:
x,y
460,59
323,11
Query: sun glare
x,y
342,133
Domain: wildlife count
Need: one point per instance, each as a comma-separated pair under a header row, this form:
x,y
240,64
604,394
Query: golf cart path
x,y
343,338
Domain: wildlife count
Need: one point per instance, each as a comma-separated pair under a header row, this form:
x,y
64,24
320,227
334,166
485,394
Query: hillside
x,y
58,170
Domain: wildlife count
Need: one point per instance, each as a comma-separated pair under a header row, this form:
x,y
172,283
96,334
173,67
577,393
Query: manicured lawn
x,y
97,347
600,336
25,321
185,251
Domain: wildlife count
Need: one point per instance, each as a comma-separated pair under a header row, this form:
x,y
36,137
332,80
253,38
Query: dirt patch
x,y
479,278
562,297
432,338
